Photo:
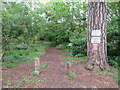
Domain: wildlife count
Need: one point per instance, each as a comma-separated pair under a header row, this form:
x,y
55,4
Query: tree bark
x,y
97,59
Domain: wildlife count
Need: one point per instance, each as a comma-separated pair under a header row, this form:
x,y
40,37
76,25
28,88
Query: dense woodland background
x,y
28,28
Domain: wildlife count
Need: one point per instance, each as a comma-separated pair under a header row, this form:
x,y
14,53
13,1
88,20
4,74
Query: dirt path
x,y
55,75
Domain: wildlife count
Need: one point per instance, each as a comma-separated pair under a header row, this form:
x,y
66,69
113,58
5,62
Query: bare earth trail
x,y
55,75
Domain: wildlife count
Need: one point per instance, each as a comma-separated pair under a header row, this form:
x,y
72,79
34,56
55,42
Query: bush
x,y
78,39
76,50
114,61
63,46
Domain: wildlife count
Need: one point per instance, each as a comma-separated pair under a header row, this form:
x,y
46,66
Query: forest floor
x,y
54,76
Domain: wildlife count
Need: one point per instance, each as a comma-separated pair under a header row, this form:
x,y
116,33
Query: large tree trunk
x,y
97,51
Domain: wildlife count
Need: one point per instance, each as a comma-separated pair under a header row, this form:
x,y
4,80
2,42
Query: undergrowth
x,y
63,46
114,74
25,53
76,58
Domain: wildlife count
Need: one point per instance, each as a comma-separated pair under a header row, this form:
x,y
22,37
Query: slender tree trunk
x,y
97,51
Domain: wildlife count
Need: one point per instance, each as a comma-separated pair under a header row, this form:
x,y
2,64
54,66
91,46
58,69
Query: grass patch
x,y
76,58
9,80
32,81
114,75
20,55
72,74
34,74
44,66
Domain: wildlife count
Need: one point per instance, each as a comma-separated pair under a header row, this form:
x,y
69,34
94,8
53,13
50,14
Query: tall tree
x,y
97,43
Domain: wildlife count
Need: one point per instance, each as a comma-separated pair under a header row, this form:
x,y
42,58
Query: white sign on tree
x,y
96,32
95,40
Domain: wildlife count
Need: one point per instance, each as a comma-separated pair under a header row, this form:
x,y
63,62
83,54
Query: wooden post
x,y
69,67
37,64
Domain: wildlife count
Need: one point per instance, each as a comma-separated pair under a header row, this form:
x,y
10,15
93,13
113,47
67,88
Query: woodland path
x,y
55,75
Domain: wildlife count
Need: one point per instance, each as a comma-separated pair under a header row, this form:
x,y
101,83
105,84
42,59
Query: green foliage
x,y
113,34
15,56
114,61
63,46
72,74
48,43
34,74
33,81
78,51
78,39
75,58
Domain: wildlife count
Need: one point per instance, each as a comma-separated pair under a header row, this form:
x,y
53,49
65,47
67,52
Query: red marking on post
x,y
95,46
